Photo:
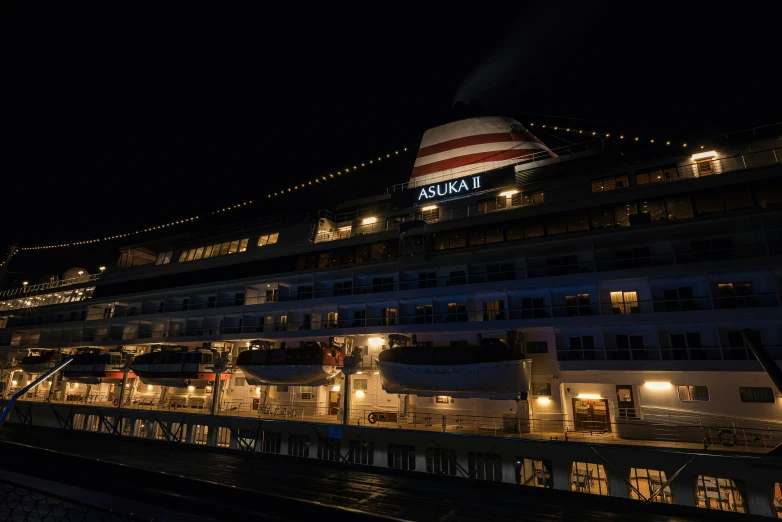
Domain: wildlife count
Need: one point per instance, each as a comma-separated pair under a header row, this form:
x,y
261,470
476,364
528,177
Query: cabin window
x,y
657,176
457,312
443,399
756,394
494,310
485,466
534,473
200,434
298,445
693,393
305,392
531,198
542,389
328,449
361,452
271,441
430,215
586,477
282,389
268,239
648,482
223,437
401,456
423,314
360,384
624,302
441,461
343,288
720,494
536,346
388,316
164,258
605,184
240,381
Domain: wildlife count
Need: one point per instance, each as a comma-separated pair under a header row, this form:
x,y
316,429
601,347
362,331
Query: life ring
x,y
372,417
727,438
116,402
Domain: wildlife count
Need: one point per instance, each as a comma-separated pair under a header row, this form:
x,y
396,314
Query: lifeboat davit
x,y
96,368
492,370
176,368
41,363
312,364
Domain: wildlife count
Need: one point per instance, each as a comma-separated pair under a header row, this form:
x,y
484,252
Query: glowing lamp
x,y
593,396
335,388
429,207
375,341
509,193
369,220
704,155
360,393
191,388
544,400
657,385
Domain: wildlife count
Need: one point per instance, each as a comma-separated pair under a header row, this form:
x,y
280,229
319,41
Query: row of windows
x,y
220,249
704,167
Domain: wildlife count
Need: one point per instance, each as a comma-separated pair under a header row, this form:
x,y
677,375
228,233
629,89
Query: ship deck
x,y
226,485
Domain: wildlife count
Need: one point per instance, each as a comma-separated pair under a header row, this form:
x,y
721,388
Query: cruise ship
x,y
598,317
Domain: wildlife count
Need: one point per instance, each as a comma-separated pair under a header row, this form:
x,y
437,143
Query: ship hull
x,y
291,374
494,380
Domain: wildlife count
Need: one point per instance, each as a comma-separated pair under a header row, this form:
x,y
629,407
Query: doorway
x,y
333,402
625,401
591,415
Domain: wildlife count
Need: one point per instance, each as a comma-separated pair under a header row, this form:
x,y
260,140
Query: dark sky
x,y
121,117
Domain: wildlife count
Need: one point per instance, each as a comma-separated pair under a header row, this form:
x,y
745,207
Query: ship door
x,y
591,414
333,402
625,401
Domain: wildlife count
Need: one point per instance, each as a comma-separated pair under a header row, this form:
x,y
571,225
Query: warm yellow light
x,y
14,383
588,396
344,228
76,385
191,388
359,373
360,393
375,373
208,388
657,385
375,341
258,389
335,387
429,207
703,155
149,386
369,220
543,400
509,193
101,268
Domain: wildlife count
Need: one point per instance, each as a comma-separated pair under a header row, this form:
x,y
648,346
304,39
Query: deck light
x,y
657,385
428,207
509,193
375,341
191,388
704,155
369,220
544,400
588,396
359,393
335,388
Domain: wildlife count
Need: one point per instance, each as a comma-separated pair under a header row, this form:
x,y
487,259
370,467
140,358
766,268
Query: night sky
x,y
118,118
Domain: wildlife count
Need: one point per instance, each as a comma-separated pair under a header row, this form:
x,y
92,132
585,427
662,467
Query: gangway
x,y
57,367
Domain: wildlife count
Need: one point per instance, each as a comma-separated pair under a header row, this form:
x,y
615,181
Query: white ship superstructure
x,y
619,284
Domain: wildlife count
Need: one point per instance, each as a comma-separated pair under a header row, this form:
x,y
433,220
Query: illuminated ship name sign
x,y
448,188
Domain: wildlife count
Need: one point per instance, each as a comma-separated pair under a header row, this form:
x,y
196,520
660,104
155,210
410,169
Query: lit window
x,y
360,384
198,253
442,399
719,493
243,245
239,381
586,477
756,394
207,251
233,246
534,473
618,182
693,393
164,258
268,239
649,482
624,302
224,248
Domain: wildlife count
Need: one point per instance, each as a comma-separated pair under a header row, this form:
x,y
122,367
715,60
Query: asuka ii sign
x,y
453,187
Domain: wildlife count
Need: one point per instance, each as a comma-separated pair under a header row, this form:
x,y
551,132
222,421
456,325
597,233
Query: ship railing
x,y
663,353
629,426
59,283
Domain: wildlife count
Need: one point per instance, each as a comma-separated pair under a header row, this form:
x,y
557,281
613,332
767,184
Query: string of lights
x,y
331,175
317,180
629,137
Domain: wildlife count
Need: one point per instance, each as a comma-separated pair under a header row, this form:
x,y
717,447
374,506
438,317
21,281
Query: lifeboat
x,y
39,363
94,367
492,370
312,364
176,368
